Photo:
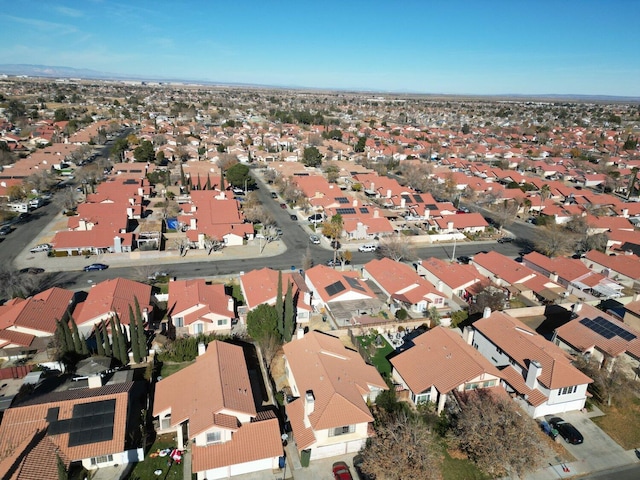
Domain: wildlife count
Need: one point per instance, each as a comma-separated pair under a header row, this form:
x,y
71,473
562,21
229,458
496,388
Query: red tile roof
x,y
39,312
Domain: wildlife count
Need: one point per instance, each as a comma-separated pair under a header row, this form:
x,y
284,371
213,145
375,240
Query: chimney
x,y
94,381
535,369
553,276
487,312
449,225
117,245
299,333
576,308
376,213
403,202
427,213
202,348
389,193
372,187
355,202
309,405
467,334
625,212
230,304
440,286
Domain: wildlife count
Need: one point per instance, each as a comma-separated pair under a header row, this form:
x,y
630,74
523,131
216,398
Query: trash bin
x,y
305,456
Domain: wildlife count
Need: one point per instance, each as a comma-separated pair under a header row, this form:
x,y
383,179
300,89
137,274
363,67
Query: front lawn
x,y
454,468
622,423
152,462
377,355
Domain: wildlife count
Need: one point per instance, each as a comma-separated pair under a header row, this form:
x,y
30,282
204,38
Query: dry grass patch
x,y
622,423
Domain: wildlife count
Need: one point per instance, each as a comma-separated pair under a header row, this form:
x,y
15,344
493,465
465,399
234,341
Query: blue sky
x,y
578,47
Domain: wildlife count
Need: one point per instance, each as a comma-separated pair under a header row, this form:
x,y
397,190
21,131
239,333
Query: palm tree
x,y
545,192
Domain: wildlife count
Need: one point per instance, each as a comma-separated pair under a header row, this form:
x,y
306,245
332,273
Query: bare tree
x,y
212,244
505,213
396,247
182,244
66,199
553,240
402,448
611,382
227,161
259,214
495,434
490,296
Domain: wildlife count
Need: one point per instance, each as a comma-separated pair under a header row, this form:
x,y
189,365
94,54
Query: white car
x,y
314,239
43,247
367,248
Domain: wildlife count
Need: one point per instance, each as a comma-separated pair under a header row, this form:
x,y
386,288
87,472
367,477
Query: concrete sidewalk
x,y
592,464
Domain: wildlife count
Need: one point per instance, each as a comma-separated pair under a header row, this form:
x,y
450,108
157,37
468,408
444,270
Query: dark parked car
x,y
464,259
274,195
95,266
567,431
293,217
505,240
6,230
341,471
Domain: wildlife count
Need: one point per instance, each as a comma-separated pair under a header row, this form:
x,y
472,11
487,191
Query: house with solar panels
x,y
85,422
538,374
600,337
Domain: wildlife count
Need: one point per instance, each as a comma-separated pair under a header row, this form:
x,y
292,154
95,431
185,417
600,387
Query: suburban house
x,y
450,278
631,314
211,403
439,362
195,306
215,215
622,269
110,298
600,337
402,285
341,293
88,425
261,286
573,275
37,315
537,373
469,223
333,384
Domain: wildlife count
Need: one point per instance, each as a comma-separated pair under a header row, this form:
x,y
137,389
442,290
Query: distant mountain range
x,y
47,71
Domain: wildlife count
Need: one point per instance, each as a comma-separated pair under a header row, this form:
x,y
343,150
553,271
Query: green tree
x,y
142,337
99,342
133,327
289,314
68,336
63,474
362,142
105,335
144,152
262,322
77,341
311,157
239,173
120,146
63,346
280,306
123,351
333,230
60,115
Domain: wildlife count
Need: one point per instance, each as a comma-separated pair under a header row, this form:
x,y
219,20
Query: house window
x,y
178,321
342,430
471,386
198,328
222,321
422,398
102,459
165,422
568,390
214,437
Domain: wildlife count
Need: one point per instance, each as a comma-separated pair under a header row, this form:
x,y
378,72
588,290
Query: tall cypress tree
x,y
68,338
115,339
207,186
122,343
84,347
280,306
133,328
142,338
62,339
288,314
77,341
107,343
99,341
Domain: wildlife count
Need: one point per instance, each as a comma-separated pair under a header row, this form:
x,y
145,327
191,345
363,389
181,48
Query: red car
x,y
341,471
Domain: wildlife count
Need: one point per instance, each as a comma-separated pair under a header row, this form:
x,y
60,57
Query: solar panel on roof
x,y
354,283
89,423
606,328
334,288
364,210
432,206
342,200
52,414
417,198
346,211
406,198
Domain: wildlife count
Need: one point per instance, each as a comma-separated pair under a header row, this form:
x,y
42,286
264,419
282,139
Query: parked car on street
x,y
42,247
95,266
505,240
32,270
314,239
369,247
567,431
293,217
341,471
5,230
315,218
